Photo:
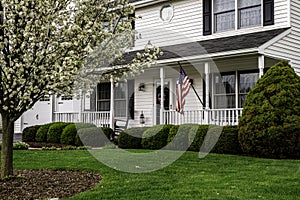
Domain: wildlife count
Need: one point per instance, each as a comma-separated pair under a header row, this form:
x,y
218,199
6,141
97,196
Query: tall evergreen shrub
x,y
270,124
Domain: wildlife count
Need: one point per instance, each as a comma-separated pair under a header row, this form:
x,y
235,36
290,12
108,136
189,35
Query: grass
x,y
214,177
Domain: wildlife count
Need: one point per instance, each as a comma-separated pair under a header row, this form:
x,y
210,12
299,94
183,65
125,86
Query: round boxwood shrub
x,y
55,131
29,133
131,138
270,124
93,137
41,134
68,134
156,137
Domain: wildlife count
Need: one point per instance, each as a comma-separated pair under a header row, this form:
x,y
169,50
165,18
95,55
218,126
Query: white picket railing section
x,y
221,117
100,119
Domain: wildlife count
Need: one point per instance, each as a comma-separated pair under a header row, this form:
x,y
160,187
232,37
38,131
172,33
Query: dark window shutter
x,y
268,12
207,9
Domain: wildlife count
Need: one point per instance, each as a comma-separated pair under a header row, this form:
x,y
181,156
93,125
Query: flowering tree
x,y
50,47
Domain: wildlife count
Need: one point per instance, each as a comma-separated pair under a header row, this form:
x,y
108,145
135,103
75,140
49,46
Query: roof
x,y
225,44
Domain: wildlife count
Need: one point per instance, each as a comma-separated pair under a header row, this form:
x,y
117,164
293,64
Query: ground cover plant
x,y
214,177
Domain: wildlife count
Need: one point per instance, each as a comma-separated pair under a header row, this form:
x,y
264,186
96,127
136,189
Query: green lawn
x,y
214,177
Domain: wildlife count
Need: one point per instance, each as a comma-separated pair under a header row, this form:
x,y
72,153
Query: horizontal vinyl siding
x,y
281,12
289,46
187,26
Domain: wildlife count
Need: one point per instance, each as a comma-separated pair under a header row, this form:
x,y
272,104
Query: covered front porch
x,y
221,117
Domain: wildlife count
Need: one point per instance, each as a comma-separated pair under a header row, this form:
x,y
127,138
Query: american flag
x,y
183,88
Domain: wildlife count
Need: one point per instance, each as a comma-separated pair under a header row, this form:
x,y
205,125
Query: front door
x,y
166,98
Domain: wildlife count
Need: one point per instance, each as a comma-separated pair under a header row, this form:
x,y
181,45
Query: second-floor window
x,y
225,15
224,11
248,14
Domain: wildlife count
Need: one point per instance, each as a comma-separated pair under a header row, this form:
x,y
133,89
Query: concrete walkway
x,y
17,137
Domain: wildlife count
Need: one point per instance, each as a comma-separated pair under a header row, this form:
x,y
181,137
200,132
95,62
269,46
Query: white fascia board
x,y
262,48
144,3
211,56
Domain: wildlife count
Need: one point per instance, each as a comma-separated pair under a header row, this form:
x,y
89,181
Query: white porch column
x,y
52,108
162,84
261,65
207,85
80,107
112,105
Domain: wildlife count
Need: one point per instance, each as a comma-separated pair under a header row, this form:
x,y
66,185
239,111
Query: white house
x,y
223,45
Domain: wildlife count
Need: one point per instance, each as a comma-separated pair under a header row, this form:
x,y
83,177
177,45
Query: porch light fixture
x,y
142,87
142,118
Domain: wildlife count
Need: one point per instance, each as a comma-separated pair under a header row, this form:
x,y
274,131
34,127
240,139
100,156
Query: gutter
x,y
145,3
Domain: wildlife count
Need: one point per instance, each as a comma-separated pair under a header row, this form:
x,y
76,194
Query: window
x,y
66,97
249,13
224,11
225,15
45,98
224,94
167,13
224,88
246,83
103,97
123,98
120,100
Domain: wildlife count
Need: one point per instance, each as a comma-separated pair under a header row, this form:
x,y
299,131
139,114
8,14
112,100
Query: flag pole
x,y
193,87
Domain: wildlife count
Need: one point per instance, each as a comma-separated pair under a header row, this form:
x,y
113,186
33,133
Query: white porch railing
x,y
100,119
221,117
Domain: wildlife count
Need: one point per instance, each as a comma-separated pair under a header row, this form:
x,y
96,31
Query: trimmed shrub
x,y
93,137
108,132
181,137
222,140
156,137
68,134
41,134
29,133
131,138
198,138
270,124
55,131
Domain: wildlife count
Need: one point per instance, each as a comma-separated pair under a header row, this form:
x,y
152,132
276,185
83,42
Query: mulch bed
x,y
44,184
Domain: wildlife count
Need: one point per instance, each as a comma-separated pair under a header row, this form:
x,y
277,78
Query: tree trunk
x,y
7,146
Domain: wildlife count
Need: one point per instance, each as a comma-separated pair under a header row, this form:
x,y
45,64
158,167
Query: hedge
x,y
222,140
41,135
156,137
55,131
93,137
131,138
68,134
198,137
29,133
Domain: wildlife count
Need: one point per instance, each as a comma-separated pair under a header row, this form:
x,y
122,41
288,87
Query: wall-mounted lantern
x,y
142,87
142,118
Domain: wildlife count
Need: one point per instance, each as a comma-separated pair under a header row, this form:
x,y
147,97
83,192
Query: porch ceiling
x,y
232,45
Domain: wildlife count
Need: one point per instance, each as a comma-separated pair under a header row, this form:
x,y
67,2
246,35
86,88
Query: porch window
x,y
246,83
123,98
103,97
120,100
224,96
224,11
249,13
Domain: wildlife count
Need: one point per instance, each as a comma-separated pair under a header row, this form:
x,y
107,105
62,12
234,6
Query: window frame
x,y
237,18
